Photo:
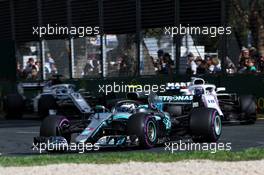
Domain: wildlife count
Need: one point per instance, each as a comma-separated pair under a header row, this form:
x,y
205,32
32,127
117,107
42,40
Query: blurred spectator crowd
x,y
163,64
198,66
249,61
32,69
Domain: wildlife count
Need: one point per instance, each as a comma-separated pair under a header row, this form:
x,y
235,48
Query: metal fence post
x,y
71,47
41,44
138,35
223,38
178,37
101,25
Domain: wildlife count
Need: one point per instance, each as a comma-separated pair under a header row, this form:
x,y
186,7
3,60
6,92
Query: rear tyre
x,y
248,108
205,125
14,106
46,103
144,126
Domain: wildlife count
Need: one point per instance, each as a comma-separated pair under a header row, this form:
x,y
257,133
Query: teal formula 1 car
x,y
132,123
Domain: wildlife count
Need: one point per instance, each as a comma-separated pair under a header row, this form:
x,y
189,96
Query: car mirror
x,y
100,108
219,89
81,90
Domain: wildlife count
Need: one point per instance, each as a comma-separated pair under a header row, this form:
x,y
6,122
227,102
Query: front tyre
x,y
46,103
144,126
53,126
205,125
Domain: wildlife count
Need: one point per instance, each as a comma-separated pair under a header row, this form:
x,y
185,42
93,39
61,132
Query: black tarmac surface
x,y
16,136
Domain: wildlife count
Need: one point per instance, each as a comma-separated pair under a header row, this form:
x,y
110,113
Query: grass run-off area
x,y
119,157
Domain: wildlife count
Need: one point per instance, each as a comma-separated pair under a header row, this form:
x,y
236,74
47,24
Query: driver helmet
x,y
127,107
198,91
154,101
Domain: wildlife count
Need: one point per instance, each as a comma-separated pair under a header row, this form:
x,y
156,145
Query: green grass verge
x,y
118,157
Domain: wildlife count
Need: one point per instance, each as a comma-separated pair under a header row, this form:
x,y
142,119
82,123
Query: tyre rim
x,y
151,131
217,125
63,124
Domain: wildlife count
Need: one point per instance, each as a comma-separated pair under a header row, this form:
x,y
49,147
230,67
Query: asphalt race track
x,y
16,136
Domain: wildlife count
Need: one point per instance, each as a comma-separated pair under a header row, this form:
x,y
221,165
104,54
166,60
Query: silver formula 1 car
x,y
45,98
133,122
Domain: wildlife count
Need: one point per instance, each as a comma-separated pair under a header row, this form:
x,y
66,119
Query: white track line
x,y
27,132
